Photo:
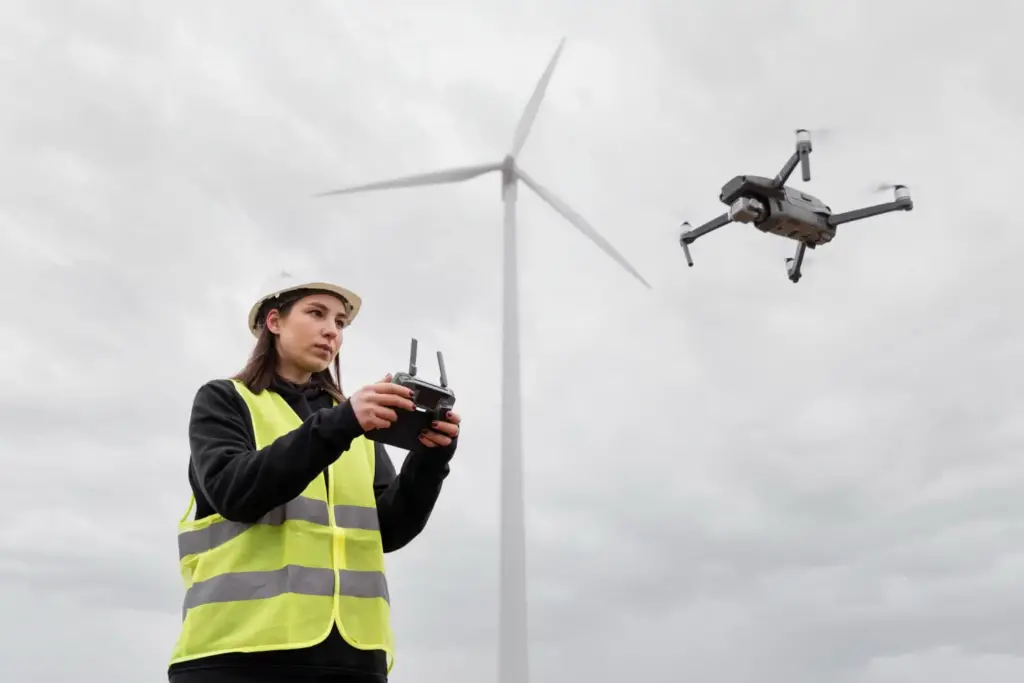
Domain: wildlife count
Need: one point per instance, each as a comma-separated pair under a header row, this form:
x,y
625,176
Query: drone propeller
x,y
816,134
900,192
885,187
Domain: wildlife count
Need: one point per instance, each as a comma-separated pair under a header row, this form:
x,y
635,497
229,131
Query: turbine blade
x,y
533,106
580,224
450,175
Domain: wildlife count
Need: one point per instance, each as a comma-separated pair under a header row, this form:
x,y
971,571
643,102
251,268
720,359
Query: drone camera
x,y
746,210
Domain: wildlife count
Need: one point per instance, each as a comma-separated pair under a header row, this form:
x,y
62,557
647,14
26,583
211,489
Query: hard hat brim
x,y
353,299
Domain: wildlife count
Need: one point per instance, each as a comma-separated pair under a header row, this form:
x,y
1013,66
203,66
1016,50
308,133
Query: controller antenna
x,y
412,358
444,375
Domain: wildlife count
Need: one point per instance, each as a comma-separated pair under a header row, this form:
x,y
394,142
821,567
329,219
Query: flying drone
x,y
774,208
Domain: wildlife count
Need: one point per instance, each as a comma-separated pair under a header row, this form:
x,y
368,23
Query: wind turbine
x,y
513,664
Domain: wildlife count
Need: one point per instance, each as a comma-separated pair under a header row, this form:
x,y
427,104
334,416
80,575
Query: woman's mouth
x,y
323,349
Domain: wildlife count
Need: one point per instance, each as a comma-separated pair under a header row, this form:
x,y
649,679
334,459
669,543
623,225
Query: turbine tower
x,y
513,662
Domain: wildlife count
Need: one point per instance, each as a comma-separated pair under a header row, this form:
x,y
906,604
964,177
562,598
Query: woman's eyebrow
x,y
319,306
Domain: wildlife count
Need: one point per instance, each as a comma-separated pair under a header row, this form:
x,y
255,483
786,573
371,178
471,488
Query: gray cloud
x,y
729,478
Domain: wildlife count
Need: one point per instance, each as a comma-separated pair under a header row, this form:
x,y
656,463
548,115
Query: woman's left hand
x,y
441,433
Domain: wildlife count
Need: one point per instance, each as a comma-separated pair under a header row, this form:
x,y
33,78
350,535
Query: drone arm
x,y
712,225
867,212
788,168
688,237
801,156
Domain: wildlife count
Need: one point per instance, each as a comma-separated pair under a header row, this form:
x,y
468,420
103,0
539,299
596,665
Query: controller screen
x,y
427,397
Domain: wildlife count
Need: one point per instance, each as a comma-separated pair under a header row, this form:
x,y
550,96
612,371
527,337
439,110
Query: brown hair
x,y
261,367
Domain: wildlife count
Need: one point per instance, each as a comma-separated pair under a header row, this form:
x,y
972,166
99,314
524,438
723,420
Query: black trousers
x,y
271,675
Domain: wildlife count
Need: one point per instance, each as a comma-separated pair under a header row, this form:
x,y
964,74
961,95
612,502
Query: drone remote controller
x,y
432,403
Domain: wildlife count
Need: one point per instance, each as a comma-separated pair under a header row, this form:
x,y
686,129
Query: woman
x,y
295,506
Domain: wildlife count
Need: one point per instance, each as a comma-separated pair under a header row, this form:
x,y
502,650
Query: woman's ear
x,y
274,321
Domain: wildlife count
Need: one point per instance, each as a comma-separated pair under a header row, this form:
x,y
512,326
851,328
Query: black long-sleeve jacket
x,y
229,476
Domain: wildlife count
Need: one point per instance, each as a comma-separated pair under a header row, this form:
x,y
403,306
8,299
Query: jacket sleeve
x,y
405,500
242,483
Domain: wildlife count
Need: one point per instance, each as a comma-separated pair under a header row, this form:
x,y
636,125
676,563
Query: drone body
x,y
787,212
772,207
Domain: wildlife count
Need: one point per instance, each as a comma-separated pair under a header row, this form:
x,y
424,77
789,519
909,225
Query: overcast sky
x,y
730,478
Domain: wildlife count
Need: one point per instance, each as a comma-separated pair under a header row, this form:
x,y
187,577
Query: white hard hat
x,y
284,282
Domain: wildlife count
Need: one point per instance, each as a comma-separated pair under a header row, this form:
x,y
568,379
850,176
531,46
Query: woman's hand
x,y
441,433
374,404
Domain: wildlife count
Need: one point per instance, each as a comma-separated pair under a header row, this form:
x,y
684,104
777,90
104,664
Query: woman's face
x,y
309,335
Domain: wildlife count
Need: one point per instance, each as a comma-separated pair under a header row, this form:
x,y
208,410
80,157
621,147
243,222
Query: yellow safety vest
x,y
285,581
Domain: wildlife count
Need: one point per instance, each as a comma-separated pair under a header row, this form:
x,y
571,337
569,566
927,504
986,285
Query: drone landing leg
x,y
687,238
794,264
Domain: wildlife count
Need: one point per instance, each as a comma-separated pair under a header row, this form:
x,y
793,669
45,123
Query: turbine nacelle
x,y
508,170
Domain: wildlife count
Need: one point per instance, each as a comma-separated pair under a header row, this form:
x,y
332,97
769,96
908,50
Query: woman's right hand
x,y
375,404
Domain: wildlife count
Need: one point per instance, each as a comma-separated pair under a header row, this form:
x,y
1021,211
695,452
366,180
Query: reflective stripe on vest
x,y
287,579
313,511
